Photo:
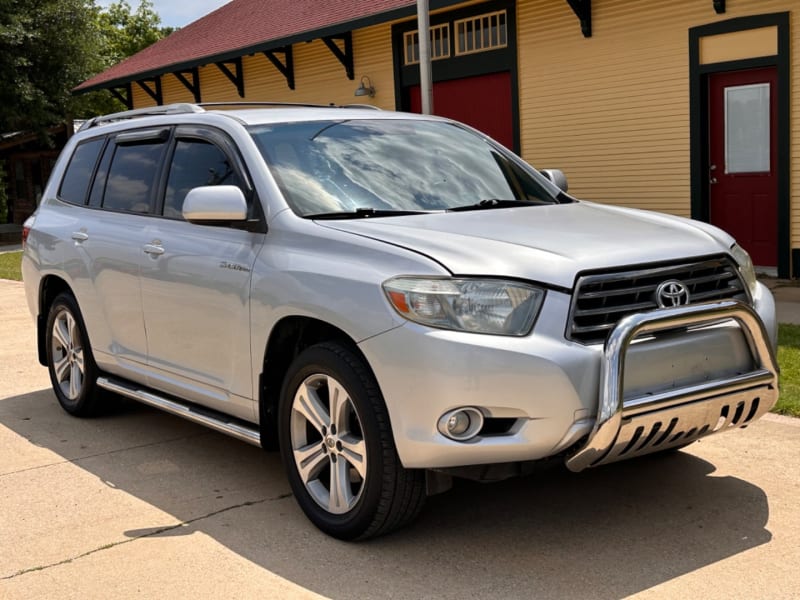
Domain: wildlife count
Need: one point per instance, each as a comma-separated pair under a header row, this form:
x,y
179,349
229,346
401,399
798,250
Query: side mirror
x,y
215,203
557,177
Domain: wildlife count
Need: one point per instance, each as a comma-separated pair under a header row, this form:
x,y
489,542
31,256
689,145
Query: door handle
x,y
712,180
80,236
153,249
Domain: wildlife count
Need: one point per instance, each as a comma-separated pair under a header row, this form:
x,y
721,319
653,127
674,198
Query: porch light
x,y
365,89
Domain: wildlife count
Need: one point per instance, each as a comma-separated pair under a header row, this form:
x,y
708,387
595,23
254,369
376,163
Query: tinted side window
x,y
194,164
100,175
132,177
78,175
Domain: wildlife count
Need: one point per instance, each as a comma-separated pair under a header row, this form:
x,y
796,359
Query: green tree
x,y
47,47
124,32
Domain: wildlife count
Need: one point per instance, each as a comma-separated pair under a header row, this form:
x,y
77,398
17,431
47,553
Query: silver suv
x,y
391,299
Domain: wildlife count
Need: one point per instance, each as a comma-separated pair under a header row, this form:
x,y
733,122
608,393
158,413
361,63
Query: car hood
x,y
548,244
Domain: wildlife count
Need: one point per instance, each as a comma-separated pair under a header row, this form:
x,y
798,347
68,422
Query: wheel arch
x,y
49,288
288,338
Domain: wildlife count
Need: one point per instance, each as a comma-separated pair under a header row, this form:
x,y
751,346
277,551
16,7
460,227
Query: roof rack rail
x,y
236,104
364,106
168,109
186,108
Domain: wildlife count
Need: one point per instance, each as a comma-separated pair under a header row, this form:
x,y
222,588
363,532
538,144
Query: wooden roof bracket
x,y
583,10
345,56
194,85
287,66
155,91
719,6
124,94
236,76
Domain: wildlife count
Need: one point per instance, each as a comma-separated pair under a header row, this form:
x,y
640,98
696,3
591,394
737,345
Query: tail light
x,y
26,229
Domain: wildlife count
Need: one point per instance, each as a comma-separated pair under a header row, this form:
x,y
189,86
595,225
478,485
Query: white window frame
x,y
481,33
439,33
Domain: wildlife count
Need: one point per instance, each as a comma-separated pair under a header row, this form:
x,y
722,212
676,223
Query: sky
x,y
177,13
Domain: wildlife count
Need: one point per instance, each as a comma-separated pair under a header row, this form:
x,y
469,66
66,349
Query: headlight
x,y
742,258
477,305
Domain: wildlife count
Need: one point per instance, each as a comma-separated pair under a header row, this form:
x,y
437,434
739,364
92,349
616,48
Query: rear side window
x,y
75,185
132,177
195,163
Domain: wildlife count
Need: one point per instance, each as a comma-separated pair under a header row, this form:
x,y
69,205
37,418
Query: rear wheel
x,y
73,372
338,450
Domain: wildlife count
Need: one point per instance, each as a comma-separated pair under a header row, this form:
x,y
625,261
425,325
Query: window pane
x,y
131,177
196,163
79,172
747,142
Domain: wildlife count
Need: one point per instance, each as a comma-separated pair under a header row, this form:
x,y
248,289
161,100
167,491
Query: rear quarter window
x,y
78,176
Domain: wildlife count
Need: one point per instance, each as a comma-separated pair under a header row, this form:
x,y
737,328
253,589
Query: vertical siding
x,y
613,110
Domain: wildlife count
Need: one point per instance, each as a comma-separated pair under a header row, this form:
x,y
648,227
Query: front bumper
x,y
551,387
626,426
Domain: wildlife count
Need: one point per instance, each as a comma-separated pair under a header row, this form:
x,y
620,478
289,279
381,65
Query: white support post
x,y
425,74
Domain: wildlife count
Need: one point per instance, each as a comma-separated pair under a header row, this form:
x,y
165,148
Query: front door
x,y
743,178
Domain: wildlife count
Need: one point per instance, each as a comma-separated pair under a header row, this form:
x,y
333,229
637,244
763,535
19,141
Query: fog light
x,y
461,424
458,423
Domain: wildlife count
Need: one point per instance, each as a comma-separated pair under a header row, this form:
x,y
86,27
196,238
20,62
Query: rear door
x,y
196,281
108,240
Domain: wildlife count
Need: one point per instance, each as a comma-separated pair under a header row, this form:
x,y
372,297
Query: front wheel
x,y
337,447
73,372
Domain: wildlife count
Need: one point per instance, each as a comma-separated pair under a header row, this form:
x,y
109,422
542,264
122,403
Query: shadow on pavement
x,y
605,533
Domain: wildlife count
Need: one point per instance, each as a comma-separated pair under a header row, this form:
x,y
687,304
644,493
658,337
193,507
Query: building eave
x,y
306,36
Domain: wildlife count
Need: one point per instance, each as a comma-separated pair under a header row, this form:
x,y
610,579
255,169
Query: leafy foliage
x,y
47,47
125,32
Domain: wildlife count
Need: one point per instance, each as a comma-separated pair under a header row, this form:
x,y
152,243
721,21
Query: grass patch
x,y
10,263
789,360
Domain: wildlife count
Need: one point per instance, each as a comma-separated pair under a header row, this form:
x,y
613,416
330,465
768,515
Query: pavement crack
x,y
151,533
108,453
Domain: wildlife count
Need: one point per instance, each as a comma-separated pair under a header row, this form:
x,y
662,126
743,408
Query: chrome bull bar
x,y
629,427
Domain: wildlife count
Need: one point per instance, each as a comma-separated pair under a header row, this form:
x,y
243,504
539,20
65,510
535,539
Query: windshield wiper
x,y
490,203
365,213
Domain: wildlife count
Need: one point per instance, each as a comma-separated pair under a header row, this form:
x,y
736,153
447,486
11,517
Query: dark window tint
x,y
99,183
132,176
195,163
79,172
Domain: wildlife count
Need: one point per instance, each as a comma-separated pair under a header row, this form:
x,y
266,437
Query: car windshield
x,y
380,167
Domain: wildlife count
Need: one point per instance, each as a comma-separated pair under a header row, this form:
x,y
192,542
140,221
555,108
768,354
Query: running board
x,y
217,421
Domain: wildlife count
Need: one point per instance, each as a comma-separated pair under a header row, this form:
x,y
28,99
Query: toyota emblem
x,y
672,293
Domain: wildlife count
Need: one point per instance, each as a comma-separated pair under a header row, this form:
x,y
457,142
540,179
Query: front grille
x,y
602,299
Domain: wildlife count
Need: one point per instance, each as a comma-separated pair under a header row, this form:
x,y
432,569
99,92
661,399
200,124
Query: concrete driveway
x,y
143,504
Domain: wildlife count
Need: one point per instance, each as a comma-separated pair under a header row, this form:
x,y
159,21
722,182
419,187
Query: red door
x,y
743,178
484,102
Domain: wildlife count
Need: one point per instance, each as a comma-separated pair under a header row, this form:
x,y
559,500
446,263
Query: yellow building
x,y
684,107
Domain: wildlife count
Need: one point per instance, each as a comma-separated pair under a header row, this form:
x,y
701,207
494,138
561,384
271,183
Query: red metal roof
x,y
241,27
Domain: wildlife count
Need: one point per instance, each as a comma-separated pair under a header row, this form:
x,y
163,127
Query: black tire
x,y
73,372
387,496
